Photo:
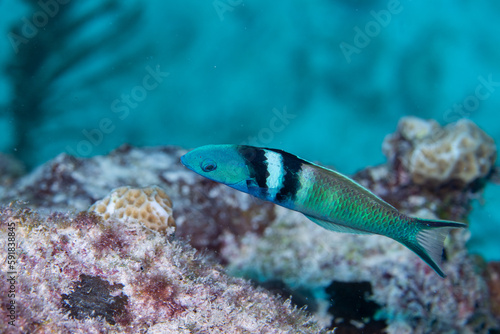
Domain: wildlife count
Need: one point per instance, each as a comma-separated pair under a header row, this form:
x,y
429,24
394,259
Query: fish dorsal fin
x,y
335,227
353,183
362,189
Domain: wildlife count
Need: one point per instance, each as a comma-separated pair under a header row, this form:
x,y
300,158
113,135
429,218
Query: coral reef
x,y
458,152
410,297
164,281
303,256
207,213
149,206
84,274
493,280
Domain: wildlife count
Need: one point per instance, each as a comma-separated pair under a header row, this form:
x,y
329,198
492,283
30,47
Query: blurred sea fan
x,y
69,44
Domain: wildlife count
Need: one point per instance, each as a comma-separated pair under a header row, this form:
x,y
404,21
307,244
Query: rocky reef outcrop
x,y
80,273
82,269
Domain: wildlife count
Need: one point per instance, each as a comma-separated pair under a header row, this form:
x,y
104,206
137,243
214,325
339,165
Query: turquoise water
x,y
485,225
326,80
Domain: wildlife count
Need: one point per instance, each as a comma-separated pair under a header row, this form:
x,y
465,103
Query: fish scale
x,y
326,197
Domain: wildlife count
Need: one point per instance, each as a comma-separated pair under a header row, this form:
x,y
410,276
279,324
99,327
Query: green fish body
x,y
326,197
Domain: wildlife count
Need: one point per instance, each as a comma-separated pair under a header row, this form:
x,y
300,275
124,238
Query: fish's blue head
x,y
220,163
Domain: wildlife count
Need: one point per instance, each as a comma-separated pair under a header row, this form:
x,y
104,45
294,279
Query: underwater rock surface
x,y
149,280
493,275
79,273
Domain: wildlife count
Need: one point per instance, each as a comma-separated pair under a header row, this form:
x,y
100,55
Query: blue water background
x,y
269,74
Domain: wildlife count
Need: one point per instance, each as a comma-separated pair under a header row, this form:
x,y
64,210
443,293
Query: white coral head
x,y
149,206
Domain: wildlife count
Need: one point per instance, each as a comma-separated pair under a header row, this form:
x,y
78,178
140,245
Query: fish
x,y
326,197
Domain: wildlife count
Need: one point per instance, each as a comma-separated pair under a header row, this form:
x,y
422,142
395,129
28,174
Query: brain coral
x,y
433,154
150,206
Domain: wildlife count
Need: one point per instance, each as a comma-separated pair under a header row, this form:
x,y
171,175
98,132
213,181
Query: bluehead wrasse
x,y
326,197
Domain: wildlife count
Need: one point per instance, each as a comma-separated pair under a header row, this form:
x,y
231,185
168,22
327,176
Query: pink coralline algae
x,y
68,281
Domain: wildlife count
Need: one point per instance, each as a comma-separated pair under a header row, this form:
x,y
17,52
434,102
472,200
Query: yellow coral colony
x,y
149,206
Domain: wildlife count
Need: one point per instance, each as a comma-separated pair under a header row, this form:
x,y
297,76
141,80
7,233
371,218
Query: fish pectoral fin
x,y
335,227
253,186
254,189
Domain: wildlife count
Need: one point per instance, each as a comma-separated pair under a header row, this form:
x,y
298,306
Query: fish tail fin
x,y
428,240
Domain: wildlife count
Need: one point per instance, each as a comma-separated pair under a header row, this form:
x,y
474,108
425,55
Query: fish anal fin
x,y
335,227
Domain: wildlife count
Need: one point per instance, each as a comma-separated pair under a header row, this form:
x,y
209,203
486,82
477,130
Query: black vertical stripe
x,y
291,182
257,162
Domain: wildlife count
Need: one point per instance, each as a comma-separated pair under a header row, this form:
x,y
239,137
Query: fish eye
x,y
208,165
